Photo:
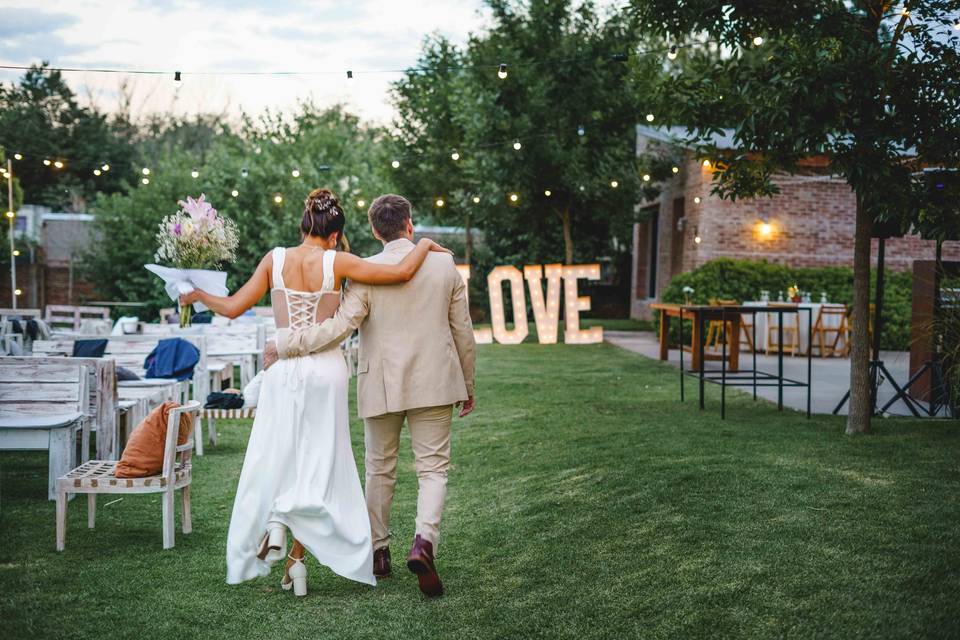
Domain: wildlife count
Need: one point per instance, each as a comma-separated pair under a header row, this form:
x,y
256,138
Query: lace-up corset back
x,y
302,309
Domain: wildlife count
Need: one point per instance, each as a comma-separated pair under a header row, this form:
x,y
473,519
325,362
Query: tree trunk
x,y
858,421
567,235
468,241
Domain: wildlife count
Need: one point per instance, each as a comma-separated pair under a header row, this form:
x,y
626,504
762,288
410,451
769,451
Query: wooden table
x,y
694,313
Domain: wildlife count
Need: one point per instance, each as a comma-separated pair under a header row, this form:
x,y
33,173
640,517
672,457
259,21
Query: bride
x,y
299,471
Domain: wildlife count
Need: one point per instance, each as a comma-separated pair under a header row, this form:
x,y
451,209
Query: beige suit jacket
x,y
416,339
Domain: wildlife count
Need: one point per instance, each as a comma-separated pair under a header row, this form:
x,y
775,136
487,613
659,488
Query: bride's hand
x,y
189,298
433,246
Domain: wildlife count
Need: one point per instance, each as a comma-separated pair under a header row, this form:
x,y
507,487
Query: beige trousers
x,y
430,437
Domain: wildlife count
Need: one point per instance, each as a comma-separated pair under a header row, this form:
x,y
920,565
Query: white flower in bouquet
x,y
196,237
688,290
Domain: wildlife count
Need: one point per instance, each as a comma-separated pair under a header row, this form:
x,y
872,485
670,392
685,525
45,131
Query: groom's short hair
x,y
389,215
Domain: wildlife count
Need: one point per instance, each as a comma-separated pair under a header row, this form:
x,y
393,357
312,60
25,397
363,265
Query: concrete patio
x,y
831,376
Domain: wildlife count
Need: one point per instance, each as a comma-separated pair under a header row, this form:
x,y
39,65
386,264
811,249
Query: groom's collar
x,y
399,244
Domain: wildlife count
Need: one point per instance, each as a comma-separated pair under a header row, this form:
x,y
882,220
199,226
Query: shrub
x,y
742,280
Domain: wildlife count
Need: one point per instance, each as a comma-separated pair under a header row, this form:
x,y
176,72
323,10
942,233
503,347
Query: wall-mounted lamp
x,y
681,223
764,228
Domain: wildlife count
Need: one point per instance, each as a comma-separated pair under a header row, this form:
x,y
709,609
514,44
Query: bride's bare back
x,y
304,289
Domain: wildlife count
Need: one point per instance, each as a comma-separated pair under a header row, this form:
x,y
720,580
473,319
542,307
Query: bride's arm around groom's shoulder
x,y
461,327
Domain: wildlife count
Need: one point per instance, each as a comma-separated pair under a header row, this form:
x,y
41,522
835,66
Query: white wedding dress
x,y
299,468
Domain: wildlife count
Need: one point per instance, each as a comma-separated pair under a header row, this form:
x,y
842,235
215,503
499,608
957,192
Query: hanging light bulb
x,y
295,173
706,164
650,117
11,214
672,54
234,193
956,27
194,174
105,167
696,200
395,164
145,180
514,197
547,192
439,202
46,162
244,173
476,199
17,292
455,156
97,172
516,145
502,71
676,169
145,171
361,203
16,252
696,236
17,156
757,41
278,198
581,131
646,177
614,184
58,164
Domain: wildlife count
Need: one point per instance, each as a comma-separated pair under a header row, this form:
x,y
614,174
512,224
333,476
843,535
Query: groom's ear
x,y
376,235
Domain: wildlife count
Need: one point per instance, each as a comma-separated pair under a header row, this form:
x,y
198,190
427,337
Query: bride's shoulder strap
x,y
328,277
279,253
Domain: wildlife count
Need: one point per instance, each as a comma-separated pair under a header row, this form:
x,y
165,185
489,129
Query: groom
x,y
416,362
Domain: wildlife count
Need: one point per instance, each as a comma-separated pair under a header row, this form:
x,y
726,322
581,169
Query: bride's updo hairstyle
x,y
322,215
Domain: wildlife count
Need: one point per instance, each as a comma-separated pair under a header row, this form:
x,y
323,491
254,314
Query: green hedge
x,y
744,279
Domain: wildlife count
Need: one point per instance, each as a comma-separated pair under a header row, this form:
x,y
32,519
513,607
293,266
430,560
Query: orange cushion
x,y
143,455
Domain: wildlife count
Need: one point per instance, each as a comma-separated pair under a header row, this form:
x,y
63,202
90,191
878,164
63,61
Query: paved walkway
x,y
831,376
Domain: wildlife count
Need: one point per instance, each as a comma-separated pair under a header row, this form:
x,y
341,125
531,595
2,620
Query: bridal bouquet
x,y
195,241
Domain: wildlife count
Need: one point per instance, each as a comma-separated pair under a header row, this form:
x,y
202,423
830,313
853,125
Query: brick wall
x,y
42,285
811,225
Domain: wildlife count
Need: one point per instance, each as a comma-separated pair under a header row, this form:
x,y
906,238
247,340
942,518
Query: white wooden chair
x,y
43,407
99,476
212,415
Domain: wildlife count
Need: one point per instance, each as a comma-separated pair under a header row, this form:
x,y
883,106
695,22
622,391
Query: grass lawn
x,y
585,502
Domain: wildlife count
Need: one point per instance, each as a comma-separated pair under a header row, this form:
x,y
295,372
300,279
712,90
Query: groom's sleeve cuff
x,y
283,343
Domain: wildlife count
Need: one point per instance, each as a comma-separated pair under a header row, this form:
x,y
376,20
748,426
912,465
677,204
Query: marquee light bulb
x,y
502,71
395,164
194,174
234,193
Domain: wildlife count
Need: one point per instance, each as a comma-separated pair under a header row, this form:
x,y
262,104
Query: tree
x,y
41,119
325,147
571,99
867,84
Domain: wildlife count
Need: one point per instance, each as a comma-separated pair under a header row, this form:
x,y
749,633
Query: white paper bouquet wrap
x,y
194,241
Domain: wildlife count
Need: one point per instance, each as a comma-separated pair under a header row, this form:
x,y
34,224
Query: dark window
x,y
652,255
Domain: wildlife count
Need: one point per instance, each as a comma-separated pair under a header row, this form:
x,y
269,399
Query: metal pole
x,y
877,326
723,363
12,219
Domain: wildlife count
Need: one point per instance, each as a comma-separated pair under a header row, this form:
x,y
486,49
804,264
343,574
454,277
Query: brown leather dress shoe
x,y
420,562
381,563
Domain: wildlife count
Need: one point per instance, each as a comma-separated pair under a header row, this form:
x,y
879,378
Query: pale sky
x,y
231,35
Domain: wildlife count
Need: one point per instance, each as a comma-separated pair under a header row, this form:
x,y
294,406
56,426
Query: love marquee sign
x,y
546,308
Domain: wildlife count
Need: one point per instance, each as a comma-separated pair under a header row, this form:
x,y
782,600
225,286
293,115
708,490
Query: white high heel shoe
x,y
273,544
298,578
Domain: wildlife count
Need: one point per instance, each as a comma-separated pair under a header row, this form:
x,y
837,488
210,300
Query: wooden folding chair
x,y
791,330
831,322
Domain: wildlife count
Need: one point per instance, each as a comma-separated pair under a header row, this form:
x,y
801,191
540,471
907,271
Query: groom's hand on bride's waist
x,y
270,355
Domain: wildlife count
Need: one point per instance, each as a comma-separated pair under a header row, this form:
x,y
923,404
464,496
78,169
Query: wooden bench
x,y
99,476
240,344
69,317
130,351
42,407
212,415
103,407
